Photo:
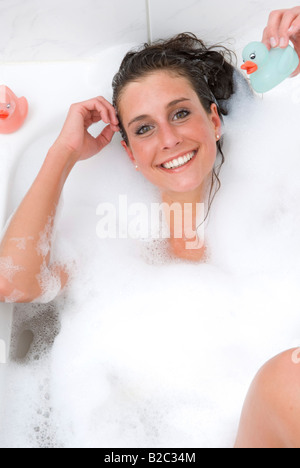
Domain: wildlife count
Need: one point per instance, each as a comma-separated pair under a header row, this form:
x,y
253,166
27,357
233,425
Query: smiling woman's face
x,y
171,138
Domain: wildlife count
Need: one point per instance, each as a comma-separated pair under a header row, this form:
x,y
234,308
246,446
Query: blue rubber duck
x,y
268,68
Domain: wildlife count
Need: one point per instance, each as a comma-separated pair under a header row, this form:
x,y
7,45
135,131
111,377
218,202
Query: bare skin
x,y
271,413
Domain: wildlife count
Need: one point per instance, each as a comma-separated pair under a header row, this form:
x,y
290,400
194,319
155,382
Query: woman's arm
x,y
25,250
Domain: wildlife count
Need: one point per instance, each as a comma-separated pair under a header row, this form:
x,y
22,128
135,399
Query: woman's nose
x,y
170,137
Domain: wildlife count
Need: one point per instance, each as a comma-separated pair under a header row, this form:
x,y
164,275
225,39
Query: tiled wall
x,y
69,29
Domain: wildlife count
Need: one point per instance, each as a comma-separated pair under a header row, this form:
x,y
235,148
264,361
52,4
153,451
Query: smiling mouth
x,y
180,162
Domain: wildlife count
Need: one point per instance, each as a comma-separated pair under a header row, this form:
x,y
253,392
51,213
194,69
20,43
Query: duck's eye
x,y
8,106
253,56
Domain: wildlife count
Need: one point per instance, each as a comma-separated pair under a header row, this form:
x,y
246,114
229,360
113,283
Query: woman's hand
x,y
283,26
75,138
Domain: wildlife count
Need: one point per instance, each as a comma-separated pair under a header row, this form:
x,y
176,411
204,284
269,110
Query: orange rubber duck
x,y
13,110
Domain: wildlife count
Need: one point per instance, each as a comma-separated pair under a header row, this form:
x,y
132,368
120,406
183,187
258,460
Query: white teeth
x,y
180,161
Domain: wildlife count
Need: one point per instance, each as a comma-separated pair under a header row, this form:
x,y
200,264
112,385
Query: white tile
x,y
213,21
68,29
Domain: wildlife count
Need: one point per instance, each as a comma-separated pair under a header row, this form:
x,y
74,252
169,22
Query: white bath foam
x,y
49,283
8,269
256,213
178,339
25,421
45,239
26,418
145,352
15,296
21,242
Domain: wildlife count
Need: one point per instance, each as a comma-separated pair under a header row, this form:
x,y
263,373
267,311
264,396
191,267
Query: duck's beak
x,y
250,67
3,114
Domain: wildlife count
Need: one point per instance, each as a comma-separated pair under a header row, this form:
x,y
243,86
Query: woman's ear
x,y
215,118
128,151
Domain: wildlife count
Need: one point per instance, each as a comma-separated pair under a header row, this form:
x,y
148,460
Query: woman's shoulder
x,y
271,415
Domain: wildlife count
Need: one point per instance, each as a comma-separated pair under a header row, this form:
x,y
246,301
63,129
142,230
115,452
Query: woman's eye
x,y
181,114
143,130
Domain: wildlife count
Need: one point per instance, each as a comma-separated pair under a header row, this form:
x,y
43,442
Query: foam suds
x,y
34,330
144,350
49,283
21,242
44,244
15,296
8,269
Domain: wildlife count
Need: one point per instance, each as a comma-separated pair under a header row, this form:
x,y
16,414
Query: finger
x,y
115,128
111,110
294,29
97,118
107,113
105,137
92,107
266,38
102,113
285,25
95,110
271,32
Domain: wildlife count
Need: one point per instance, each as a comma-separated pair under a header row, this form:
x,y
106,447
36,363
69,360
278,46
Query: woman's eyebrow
x,y
145,116
177,101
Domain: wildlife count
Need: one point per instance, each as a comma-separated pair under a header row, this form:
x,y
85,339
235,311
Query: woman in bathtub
x,y
169,98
